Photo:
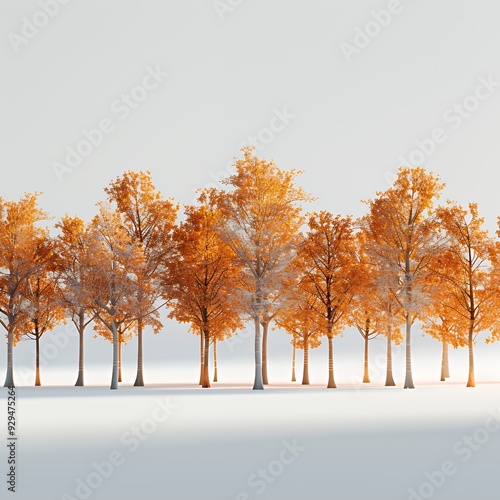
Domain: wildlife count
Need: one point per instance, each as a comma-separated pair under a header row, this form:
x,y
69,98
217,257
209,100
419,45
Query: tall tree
x,y
203,276
74,248
403,226
20,239
463,268
115,276
261,222
149,220
327,266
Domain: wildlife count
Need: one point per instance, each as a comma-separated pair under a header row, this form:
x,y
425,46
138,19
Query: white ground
x,y
231,443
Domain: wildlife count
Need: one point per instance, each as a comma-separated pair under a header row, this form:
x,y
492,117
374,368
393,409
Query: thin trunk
x,y
139,379
114,375
205,383
408,377
472,380
366,374
9,376
331,379
215,360
445,368
294,379
119,360
389,379
37,362
265,329
81,328
257,384
202,348
305,375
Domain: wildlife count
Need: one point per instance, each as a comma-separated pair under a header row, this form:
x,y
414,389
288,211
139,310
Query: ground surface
x,y
232,443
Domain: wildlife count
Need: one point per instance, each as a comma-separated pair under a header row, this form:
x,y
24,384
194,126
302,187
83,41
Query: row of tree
x,y
247,252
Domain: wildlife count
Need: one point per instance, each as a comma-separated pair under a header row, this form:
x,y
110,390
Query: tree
x,y
297,320
149,220
329,276
463,270
115,276
74,248
203,276
261,218
20,238
42,302
403,227
375,307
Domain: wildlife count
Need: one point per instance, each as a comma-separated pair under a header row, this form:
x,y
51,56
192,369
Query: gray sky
x,y
304,77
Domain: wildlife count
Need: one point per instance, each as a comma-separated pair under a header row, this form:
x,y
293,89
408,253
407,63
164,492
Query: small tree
x,y
20,237
328,275
74,249
202,277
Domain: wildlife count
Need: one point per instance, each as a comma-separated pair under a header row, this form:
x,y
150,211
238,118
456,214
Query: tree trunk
x,y
331,379
265,329
257,384
202,348
294,379
81,328
305,375
9,376
37,362
472,380
445,367
119,360
139,379
205,383
408,377
366,373
114,375
389,379
215,360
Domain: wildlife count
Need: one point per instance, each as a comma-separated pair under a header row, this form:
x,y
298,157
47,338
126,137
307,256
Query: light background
x,y
227,74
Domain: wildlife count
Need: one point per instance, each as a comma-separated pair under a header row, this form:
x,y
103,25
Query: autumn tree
x,y
149,220
203,276
327,266
261,219
375,306
463,270
115,268
20,239
75,253
296,318
42,306
403,227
